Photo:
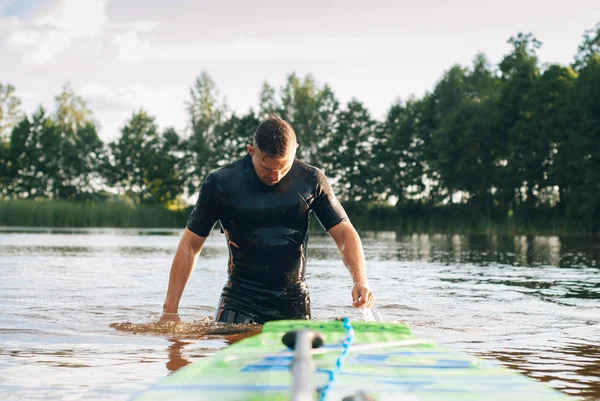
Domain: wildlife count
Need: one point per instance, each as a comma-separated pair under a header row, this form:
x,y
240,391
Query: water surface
x,y
530,302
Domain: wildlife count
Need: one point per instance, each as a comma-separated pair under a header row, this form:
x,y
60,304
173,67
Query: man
x,y
264,202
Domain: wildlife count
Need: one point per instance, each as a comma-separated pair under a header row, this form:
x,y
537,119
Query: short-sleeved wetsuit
x,y
267,233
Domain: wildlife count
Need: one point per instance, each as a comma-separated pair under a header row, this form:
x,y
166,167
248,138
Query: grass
x,y
405,219
47,213
460,219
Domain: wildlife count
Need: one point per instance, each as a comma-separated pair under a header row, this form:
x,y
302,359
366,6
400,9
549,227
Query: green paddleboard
x,y
375,361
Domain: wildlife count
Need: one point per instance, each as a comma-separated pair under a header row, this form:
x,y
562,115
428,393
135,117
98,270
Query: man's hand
x,y
362,295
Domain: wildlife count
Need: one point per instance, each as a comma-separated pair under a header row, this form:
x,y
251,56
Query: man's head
x,y
273,150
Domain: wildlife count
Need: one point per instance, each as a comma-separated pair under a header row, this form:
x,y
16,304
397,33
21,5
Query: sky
x,y
123,55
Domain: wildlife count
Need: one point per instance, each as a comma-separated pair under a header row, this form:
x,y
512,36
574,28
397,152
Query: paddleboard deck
x,y
385,361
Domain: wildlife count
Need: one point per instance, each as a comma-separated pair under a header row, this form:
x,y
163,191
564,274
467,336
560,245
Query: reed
x,y
404,219
52,213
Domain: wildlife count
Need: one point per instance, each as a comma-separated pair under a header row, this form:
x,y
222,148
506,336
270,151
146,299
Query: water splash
x,y
197,329
372,314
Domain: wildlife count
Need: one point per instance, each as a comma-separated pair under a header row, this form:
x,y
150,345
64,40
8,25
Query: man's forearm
x,y
353,256
181,270
350,246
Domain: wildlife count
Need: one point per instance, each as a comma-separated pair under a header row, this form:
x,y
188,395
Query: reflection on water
x,y
176,349
516,251
574,368
530,302
176,361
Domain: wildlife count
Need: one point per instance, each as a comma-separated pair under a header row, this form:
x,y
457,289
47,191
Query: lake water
x,y
530,302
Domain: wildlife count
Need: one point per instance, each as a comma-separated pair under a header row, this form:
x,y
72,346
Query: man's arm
x,y
350,246
183,265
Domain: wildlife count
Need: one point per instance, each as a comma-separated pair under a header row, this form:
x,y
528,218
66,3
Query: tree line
x,y
517,137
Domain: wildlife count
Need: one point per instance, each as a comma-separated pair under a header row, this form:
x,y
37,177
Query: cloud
x,y
96,90
132,96
41,35
136,26
77,18
114,105
41,38
131,49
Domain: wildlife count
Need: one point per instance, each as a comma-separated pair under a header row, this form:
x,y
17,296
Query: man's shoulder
x,y
306,168
309,171
229,169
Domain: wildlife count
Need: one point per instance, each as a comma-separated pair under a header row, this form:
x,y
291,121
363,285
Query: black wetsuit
x,y
267,234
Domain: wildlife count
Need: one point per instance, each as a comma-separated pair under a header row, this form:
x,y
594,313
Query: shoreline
x,y
405,219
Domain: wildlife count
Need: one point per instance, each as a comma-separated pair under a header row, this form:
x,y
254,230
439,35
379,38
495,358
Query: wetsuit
x,y
267,233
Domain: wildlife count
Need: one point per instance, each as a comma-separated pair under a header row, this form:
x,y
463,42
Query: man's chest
x,y
269,206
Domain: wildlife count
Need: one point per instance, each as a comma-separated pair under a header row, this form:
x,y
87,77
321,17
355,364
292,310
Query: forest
x,y
510,148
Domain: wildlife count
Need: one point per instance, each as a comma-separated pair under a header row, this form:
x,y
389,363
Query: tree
x,y
268,103
398,153
10,114
232,136
165,181
588,49
543,129
143,163
463,146
311,110
80,150
349,152
519,70
33,169
583,147
206,113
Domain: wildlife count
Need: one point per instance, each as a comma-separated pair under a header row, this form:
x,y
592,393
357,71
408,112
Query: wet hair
x,y
275,136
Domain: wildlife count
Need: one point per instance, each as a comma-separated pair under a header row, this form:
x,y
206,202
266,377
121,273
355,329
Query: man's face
x,y
268,169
